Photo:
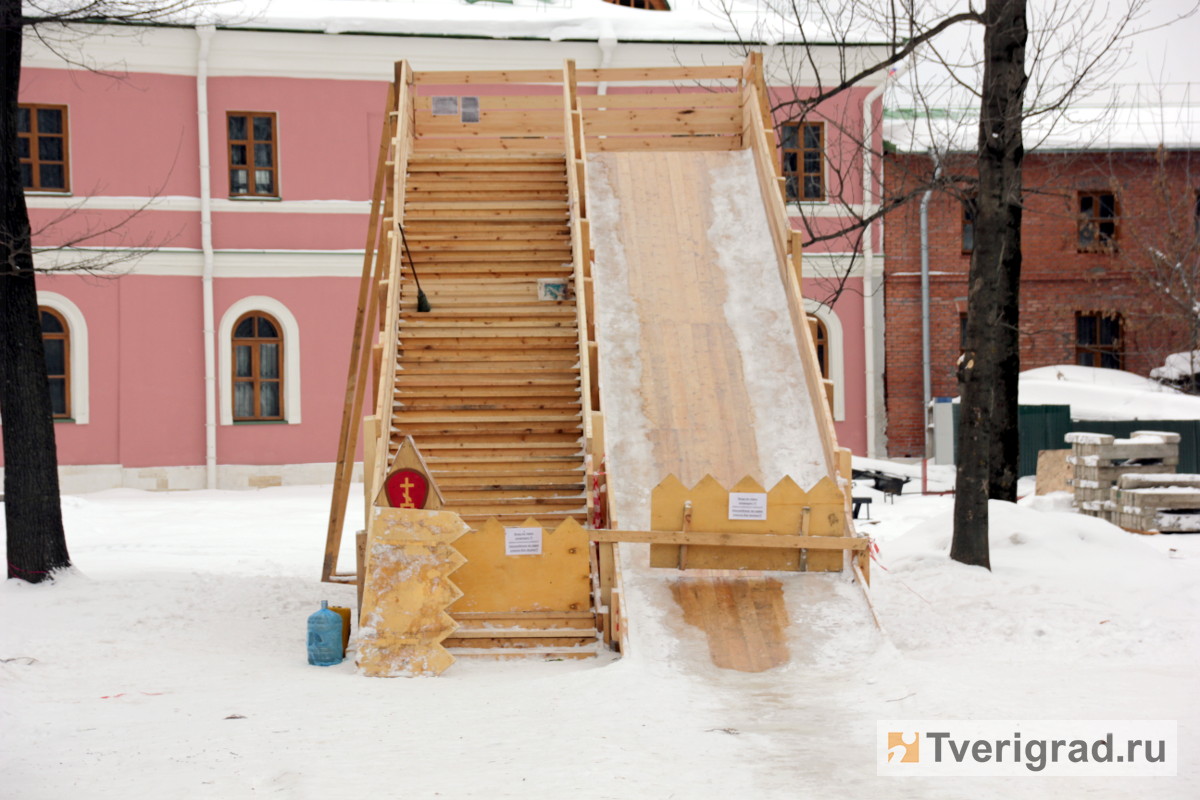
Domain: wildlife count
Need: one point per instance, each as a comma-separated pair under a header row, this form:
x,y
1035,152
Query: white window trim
x,y
291,355
834,352
77,330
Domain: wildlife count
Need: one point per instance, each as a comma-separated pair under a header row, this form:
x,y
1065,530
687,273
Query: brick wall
x,y
1156,207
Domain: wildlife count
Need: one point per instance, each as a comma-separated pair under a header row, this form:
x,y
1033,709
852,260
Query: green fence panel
x,y
1046,427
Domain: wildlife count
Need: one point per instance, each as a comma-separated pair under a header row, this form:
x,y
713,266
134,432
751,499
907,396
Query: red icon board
x,y
407,488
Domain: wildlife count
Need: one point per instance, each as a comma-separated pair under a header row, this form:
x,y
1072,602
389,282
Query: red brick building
x,y
1110,247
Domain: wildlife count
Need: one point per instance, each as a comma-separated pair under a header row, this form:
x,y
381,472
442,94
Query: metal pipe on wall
x,y
206,32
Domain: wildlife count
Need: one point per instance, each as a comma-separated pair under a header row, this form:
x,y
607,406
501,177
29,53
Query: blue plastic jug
x,y
325,637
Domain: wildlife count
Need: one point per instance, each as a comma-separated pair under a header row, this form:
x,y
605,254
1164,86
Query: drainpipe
x,y
205,32
874,387
608,44
926,356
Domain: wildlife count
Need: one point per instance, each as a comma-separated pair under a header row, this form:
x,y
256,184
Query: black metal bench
x,y
890,485
858,503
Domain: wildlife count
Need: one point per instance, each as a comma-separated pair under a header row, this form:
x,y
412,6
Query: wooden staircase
x,y
488,382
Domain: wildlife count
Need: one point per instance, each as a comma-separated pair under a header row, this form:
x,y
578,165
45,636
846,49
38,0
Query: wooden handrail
x,y
390,331
576,192
360,349
724,538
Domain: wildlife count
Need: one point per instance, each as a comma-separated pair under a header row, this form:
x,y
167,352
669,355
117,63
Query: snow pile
x,y
1178,366
618,324
1105,394
1061,583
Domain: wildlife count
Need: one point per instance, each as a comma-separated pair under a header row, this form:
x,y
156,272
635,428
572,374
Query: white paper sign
x,y
747,505
522,541
470,109
444,106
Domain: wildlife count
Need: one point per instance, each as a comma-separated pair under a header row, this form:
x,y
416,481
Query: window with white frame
x,y
830,352
65,342
258,362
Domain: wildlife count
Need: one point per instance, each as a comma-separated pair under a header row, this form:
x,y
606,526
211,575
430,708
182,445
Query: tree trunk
x,y
36,543
987,438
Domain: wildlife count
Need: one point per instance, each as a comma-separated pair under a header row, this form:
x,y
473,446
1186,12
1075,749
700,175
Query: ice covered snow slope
x,y
701,373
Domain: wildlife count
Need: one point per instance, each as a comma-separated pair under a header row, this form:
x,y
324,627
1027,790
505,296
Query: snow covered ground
x,y
171,663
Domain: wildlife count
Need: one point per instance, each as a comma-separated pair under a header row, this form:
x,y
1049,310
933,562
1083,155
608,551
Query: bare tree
x,y
36,542
1160,250
1024,75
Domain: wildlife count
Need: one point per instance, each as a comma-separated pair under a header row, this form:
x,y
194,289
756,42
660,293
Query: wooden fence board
x,y
557,580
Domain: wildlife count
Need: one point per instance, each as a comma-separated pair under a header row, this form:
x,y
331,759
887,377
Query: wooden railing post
x,y
361,350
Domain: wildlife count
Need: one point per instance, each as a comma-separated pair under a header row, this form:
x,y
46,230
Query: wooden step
x,y
510,340
509,479
457,462
449,407
534,450
496,394
485,432
471,497
485,416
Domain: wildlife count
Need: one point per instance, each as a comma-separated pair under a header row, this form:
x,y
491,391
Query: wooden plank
x,y
506,101
658,99
637,74
744,620
470,616
548,145
716,538
673,121
523,633
410,557
356,379
485,77
663,143
558,579
497,123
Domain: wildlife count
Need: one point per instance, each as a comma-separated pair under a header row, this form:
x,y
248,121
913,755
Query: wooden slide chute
x,y
495,391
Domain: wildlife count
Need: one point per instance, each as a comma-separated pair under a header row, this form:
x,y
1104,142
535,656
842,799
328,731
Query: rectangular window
x,y
42,147
253,154
803,151
1097,221
968,225
649,5
1098,340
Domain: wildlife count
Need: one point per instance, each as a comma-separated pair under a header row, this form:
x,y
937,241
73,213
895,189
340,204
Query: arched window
x,y
829,340
56,341
649,5
822,342
257,368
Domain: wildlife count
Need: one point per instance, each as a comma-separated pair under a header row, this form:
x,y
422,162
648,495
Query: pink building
x,y
224,177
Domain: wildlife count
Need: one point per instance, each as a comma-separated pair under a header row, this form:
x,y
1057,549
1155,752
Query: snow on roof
x,y
1134,118
556,20
1104,394
1178,366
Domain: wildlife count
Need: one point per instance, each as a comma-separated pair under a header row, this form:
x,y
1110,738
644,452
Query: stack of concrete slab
x,y
1167,503
1132,482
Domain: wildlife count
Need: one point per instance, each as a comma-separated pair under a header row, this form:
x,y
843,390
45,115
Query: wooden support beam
x,y
355,380
732,539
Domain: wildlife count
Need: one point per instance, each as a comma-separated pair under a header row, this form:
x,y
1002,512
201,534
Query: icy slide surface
x,y
699,367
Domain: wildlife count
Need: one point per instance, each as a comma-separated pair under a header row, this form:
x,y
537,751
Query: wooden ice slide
x,y
676,377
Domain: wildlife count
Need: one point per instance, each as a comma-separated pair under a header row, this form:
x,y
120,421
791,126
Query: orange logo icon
x,y
904,748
